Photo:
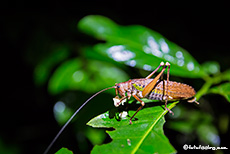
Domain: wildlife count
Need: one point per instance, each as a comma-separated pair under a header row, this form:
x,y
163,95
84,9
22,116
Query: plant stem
x,y
209,82
204,89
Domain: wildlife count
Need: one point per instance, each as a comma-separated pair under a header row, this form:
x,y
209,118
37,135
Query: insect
x,y
153,89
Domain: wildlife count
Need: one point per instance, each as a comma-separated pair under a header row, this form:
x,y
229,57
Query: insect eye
x,y
118,86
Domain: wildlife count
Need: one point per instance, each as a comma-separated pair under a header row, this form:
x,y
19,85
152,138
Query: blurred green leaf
x,y
145,135
191,121
182,126
89,77
9,149
96,136
63,77
211,67
223,89
225,76
104,26
208,133
62,112
138,46
223,122
43,69
64,151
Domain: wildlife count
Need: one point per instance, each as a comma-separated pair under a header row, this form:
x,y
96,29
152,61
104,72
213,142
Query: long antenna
x,y
71,118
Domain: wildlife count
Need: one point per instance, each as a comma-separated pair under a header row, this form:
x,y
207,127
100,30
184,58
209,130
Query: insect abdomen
x,y
154,96
176,91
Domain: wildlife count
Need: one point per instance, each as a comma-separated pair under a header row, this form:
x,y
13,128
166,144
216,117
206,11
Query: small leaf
x,y
138,46
223,89
64,151
145,135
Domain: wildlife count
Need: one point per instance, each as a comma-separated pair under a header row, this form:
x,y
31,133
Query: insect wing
x,y
149,87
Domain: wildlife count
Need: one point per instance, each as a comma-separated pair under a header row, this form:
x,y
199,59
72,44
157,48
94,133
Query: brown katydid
x,y
153,89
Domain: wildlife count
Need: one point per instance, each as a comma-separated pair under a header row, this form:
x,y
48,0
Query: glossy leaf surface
x,y
138,46
145,135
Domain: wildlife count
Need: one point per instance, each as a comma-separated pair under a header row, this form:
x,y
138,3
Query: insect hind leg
x,y
193,100
151,74
165,97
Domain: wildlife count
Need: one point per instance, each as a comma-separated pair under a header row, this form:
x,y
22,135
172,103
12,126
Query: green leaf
x,y
223,89
145,135
138,46
190,122
64,151
90,77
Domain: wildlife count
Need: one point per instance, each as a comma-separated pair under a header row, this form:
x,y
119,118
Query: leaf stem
x,y
209,81
204,89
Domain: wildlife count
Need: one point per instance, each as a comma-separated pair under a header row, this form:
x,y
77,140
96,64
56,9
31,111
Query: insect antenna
x,y
71,118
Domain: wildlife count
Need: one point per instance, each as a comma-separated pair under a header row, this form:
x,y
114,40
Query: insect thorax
x,y
140,84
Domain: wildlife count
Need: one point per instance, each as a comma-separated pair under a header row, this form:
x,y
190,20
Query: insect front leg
x,y
117,101
142,104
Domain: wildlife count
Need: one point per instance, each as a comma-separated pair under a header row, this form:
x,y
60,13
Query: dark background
x,y
27,122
